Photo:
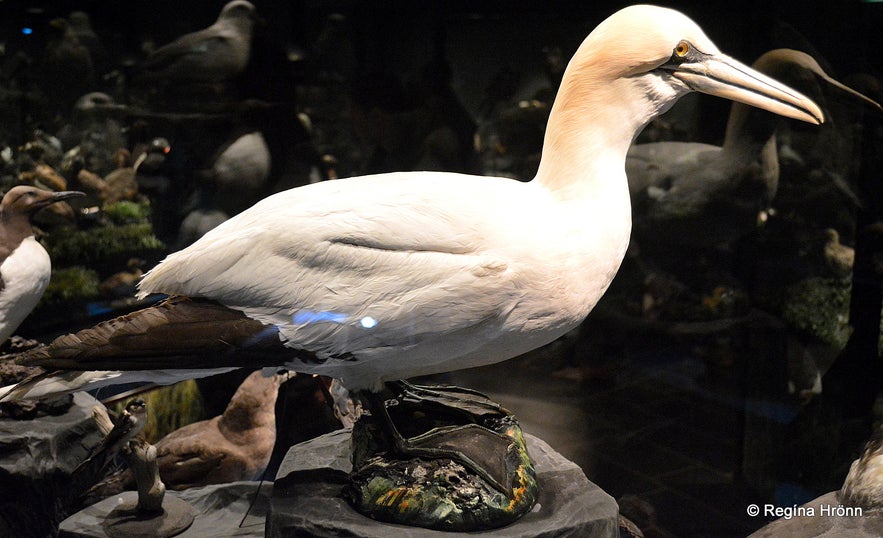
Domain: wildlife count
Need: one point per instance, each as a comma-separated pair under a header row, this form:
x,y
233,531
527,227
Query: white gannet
x,y
694,194
25,266
386,277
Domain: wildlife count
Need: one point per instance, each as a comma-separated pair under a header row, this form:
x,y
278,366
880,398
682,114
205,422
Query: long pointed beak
x,y
66,195
860,97
58,197
725,77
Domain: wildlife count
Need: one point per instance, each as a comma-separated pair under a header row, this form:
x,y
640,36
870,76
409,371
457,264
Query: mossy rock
x,y
103,245
819,307
70,285
126,212
441,493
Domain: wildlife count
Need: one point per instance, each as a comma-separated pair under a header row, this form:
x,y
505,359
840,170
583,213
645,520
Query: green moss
x,y
126,212
70,285
819,307
100,244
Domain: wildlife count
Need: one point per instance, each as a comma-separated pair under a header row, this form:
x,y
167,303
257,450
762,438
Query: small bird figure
x,y
24,263
216,54
149,159
121,182
126,426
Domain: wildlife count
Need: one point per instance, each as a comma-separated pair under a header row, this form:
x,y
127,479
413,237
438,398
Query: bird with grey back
x,y
215,54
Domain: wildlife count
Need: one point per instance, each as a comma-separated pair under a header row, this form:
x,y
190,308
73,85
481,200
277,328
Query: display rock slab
x,y
218,511
307,500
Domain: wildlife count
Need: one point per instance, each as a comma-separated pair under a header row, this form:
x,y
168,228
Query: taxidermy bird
x,y
215,54
233,446
693,194
126,426
385,277
25,266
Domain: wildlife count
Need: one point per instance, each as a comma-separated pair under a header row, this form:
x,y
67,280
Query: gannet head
x,y
666,54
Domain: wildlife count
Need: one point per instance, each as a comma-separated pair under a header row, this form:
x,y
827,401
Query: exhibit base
x,y
218,511
306,501
307,498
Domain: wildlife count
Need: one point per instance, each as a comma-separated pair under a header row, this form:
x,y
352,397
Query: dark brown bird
x,y
234,446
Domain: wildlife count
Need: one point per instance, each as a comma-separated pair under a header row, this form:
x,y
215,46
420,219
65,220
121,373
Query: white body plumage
x,y
398,276
25,274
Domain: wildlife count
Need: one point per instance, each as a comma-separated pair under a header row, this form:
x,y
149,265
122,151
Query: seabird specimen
x,y
227,448
126,426
694,194
385,277
215,54
24,263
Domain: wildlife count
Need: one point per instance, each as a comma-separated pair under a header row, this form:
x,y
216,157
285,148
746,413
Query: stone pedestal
x,y
218,511
307,502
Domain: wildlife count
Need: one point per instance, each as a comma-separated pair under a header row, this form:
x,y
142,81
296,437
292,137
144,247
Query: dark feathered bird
x,y
697,194
216,54
230,447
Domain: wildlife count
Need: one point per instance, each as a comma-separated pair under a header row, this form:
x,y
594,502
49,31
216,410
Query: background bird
x,y
391,276
25,266
694,194
215,54
227,448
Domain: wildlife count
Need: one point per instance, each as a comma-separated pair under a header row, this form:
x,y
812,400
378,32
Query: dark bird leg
x,y
444,422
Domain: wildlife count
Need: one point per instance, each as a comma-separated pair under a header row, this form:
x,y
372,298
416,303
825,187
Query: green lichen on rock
x,y
126,212
819,307
70,285
103,244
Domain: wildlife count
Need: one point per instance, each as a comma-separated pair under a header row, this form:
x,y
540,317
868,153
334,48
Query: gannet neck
x,y
607,96
590,128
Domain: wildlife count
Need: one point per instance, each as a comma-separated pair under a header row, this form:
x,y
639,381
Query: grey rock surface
x,y
307,501
219,509
36,459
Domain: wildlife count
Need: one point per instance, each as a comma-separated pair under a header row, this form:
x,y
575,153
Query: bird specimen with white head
x,y
385,277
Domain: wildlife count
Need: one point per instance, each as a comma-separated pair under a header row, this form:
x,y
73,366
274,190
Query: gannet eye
x,y
682,49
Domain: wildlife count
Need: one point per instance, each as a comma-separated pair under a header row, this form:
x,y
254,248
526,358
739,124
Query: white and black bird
x,y
126,426
386,277
25,266
215,54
